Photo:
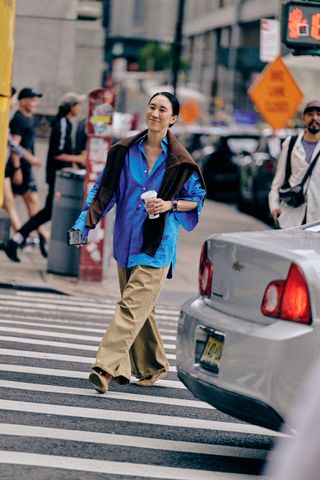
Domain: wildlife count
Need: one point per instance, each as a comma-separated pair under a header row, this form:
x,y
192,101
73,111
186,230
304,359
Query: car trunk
x,y
241,275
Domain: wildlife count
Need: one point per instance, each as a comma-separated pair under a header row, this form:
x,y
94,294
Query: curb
x,y
30,288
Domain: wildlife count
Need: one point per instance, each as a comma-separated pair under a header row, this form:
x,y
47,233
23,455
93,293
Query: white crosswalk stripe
x,y
8,319
123,416
132,441
55,322
74,346
71,336
115,468
40,335
117,395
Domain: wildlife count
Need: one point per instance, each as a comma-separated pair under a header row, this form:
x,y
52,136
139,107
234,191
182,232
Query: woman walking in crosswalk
x,y
144,238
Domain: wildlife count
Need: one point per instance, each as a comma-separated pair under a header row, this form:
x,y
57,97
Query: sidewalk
x,y
32,274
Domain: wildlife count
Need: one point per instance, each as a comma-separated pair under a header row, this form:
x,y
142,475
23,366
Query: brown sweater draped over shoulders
x,y
179,168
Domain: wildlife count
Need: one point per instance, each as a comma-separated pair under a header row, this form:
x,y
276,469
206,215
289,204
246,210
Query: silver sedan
x,y
247,342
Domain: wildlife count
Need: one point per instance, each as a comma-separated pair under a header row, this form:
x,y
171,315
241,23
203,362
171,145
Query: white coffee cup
x,y
150,196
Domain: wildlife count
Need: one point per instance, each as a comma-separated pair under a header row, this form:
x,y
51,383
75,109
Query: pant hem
x,y
121,378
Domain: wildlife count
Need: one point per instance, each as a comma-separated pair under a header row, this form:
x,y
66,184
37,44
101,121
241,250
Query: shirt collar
x,y
164,143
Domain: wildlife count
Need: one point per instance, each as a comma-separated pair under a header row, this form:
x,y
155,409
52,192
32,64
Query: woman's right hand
x,y
81,159
35,162
276,213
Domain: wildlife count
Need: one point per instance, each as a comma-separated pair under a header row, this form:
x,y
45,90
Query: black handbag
x,y
295,196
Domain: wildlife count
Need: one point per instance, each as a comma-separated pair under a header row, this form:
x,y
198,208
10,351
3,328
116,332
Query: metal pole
x,y
232,60
106,22
177,47
7,25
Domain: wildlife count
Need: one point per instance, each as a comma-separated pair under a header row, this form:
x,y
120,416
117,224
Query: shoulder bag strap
x,y
310,169
292,142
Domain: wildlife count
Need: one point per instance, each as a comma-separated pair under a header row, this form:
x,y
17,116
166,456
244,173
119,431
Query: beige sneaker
x,y
151,380
100,380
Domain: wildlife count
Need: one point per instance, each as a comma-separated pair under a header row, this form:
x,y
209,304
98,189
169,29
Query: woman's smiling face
x,y
159,115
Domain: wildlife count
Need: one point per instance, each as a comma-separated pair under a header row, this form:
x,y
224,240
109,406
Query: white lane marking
x,y
123,416
162,319
74,346
73,336
23,320
68,308
45,356
63,300
132,441
102,315
116,468
74,374
53,356
116,395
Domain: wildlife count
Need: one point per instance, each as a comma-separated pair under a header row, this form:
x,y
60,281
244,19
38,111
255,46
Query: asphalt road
x,y
54,426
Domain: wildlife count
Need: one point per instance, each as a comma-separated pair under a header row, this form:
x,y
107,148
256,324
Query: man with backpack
x,y
294,198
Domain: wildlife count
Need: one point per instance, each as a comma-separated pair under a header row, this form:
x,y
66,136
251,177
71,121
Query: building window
x,y
139,12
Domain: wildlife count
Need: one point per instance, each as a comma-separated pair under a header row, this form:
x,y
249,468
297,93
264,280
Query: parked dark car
x,y
257,170
194,137
220,161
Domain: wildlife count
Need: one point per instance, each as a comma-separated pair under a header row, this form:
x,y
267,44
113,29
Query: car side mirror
x,y
245,153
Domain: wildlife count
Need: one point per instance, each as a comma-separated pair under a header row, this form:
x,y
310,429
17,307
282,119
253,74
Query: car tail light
x,y
288,299
295,301
268,166
205,272
271,303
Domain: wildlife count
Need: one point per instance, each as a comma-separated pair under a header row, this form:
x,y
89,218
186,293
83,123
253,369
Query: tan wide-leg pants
x,y
132,343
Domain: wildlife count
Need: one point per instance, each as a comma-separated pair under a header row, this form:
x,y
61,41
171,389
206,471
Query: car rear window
x,y
238,145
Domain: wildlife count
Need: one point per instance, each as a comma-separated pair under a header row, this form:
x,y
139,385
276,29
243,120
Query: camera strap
x,y
310,169
308,173
292,142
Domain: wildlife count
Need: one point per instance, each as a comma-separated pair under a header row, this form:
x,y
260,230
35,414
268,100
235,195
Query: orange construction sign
x,y
276,94
190,112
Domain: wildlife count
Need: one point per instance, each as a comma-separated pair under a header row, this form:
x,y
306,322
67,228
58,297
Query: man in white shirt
x,y
305,149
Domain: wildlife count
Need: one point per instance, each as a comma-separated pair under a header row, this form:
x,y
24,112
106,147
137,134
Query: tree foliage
x,y
157,57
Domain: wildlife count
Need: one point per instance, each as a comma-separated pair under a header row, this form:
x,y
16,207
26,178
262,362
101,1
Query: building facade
x,y
58,48
135,23
222,46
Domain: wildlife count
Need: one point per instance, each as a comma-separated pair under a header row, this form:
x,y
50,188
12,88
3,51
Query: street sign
x,y
269,40
276,94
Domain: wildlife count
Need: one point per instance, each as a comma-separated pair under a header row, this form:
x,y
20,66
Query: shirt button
x,y
144,188
146,171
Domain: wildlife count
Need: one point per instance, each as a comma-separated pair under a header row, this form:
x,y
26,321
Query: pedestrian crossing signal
x,y
300,27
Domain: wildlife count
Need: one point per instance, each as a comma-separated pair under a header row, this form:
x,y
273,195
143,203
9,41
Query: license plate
x,y
212,352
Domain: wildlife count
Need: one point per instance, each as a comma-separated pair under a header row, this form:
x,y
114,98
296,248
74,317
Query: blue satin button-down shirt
x,y
131,214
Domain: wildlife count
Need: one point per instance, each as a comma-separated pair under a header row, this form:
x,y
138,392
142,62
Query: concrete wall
x,y
159,19
89,56
55,52
200,21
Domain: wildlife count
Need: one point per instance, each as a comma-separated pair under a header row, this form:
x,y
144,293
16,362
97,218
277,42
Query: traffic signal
x,y
300,27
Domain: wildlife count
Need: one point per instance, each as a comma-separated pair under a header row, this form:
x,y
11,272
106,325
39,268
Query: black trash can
x,y
4,226
68,201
